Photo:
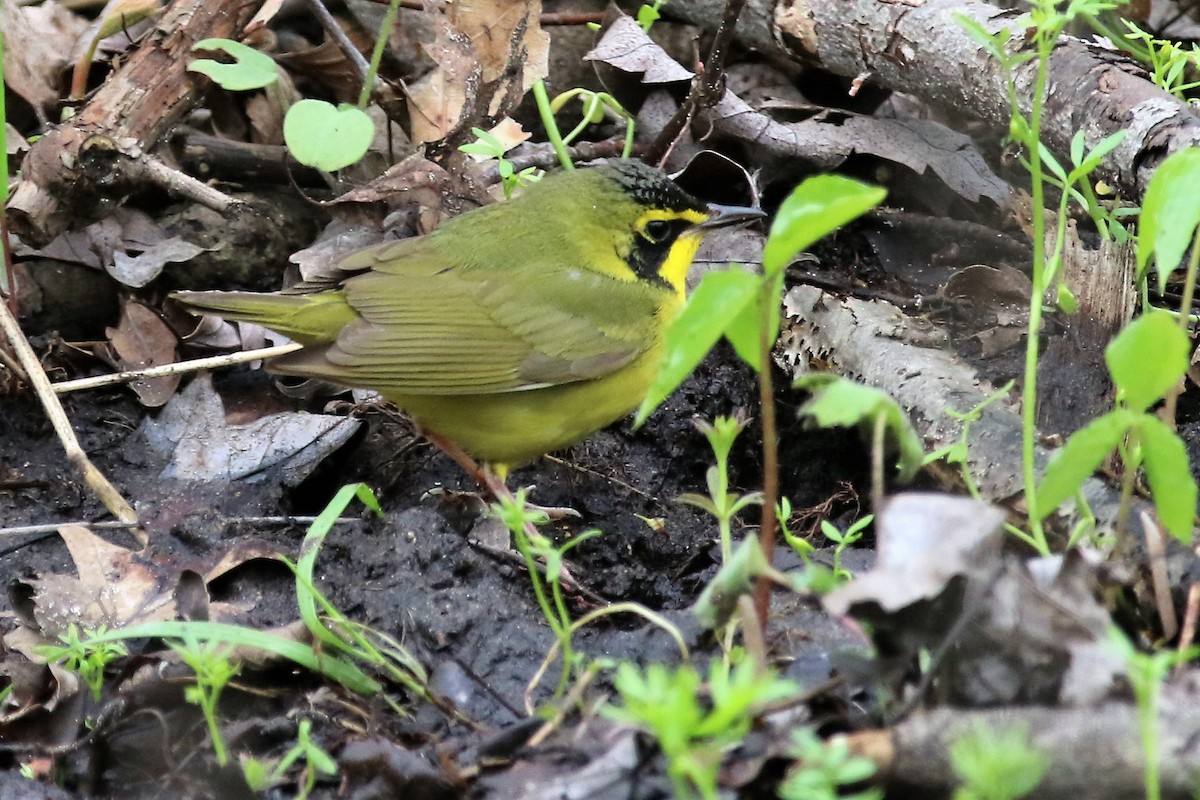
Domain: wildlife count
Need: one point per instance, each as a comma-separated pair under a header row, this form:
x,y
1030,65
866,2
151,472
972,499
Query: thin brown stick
x,y
707,87
770,446
107,493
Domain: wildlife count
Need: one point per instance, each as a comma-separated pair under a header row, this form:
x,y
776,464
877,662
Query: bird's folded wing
x,y
444,331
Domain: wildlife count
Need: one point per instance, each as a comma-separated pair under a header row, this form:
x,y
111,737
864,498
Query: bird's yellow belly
x,y
517,427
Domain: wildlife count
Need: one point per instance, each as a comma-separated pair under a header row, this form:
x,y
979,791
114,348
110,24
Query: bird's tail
x,y
307,318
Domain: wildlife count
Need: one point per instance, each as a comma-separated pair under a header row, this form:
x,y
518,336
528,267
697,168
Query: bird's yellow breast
x,y
513,428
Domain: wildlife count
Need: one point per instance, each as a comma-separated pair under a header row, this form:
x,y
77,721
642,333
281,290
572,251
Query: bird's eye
x,y
657,230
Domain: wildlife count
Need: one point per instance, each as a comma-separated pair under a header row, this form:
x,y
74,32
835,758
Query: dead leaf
x,y
140,340
37,41
193,433
630,49
496,47
128,244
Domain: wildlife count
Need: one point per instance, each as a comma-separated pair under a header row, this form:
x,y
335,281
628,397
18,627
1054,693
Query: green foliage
x,y
521,521
815,209
823,767
1146,360
996,764
486,144
86,657
210,661
261,776
720,502
648,14
1169,62
1040,30
250,69
1170,213
839,402
1146,673
692,735
842,540
327,137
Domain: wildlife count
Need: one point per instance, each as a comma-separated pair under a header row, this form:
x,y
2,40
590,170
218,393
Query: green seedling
x,y
1146,673
487,144
85,657
210,661
802,546
261,776
720,502
823,768
693,734
996,764
522,522
1170,63
650,13
1146,360
745,308
842,540
318,134
1040,29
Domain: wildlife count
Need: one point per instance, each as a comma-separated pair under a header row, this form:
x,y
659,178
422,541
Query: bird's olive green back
x,y
529,293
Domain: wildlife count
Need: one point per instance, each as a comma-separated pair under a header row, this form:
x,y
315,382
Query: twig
x,y
157,173
178,368
1157,558
335,32
52,527
107,493
707,87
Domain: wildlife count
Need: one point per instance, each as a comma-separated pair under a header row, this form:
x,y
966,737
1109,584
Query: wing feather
x,y
476,329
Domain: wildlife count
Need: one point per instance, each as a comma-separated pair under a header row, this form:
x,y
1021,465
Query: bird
x,y
512,330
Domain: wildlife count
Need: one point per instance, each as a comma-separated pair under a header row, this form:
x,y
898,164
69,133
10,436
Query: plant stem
x,y
551,125
385,29
1029,390
770,442
1185,309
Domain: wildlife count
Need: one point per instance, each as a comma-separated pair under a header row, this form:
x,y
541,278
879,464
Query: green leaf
x,y
1082,455
1147,358
815,208
325,137
250,70
1165,458
838,402
714,304
1170,213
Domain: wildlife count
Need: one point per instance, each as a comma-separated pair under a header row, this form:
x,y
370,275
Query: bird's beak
x,y
727,216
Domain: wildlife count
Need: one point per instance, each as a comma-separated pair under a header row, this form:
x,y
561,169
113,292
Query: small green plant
x,y
650,13
318,134
720,502
745,308
210,661
1040,30
489,146
1146,673
842,540
996,764
522,522
85,657
823,767
261,776
1169,62
692,734
1146,360
596,107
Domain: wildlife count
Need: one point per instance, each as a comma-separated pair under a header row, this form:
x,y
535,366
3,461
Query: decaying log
x,y
87,165
1094,752
921,49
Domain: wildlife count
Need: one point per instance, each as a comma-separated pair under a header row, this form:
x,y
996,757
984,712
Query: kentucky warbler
x,y
512,330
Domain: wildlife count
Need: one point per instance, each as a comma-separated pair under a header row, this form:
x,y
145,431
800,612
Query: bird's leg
x,y
492,477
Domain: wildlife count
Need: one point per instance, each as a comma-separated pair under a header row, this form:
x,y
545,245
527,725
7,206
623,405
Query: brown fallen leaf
x,y
140,340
